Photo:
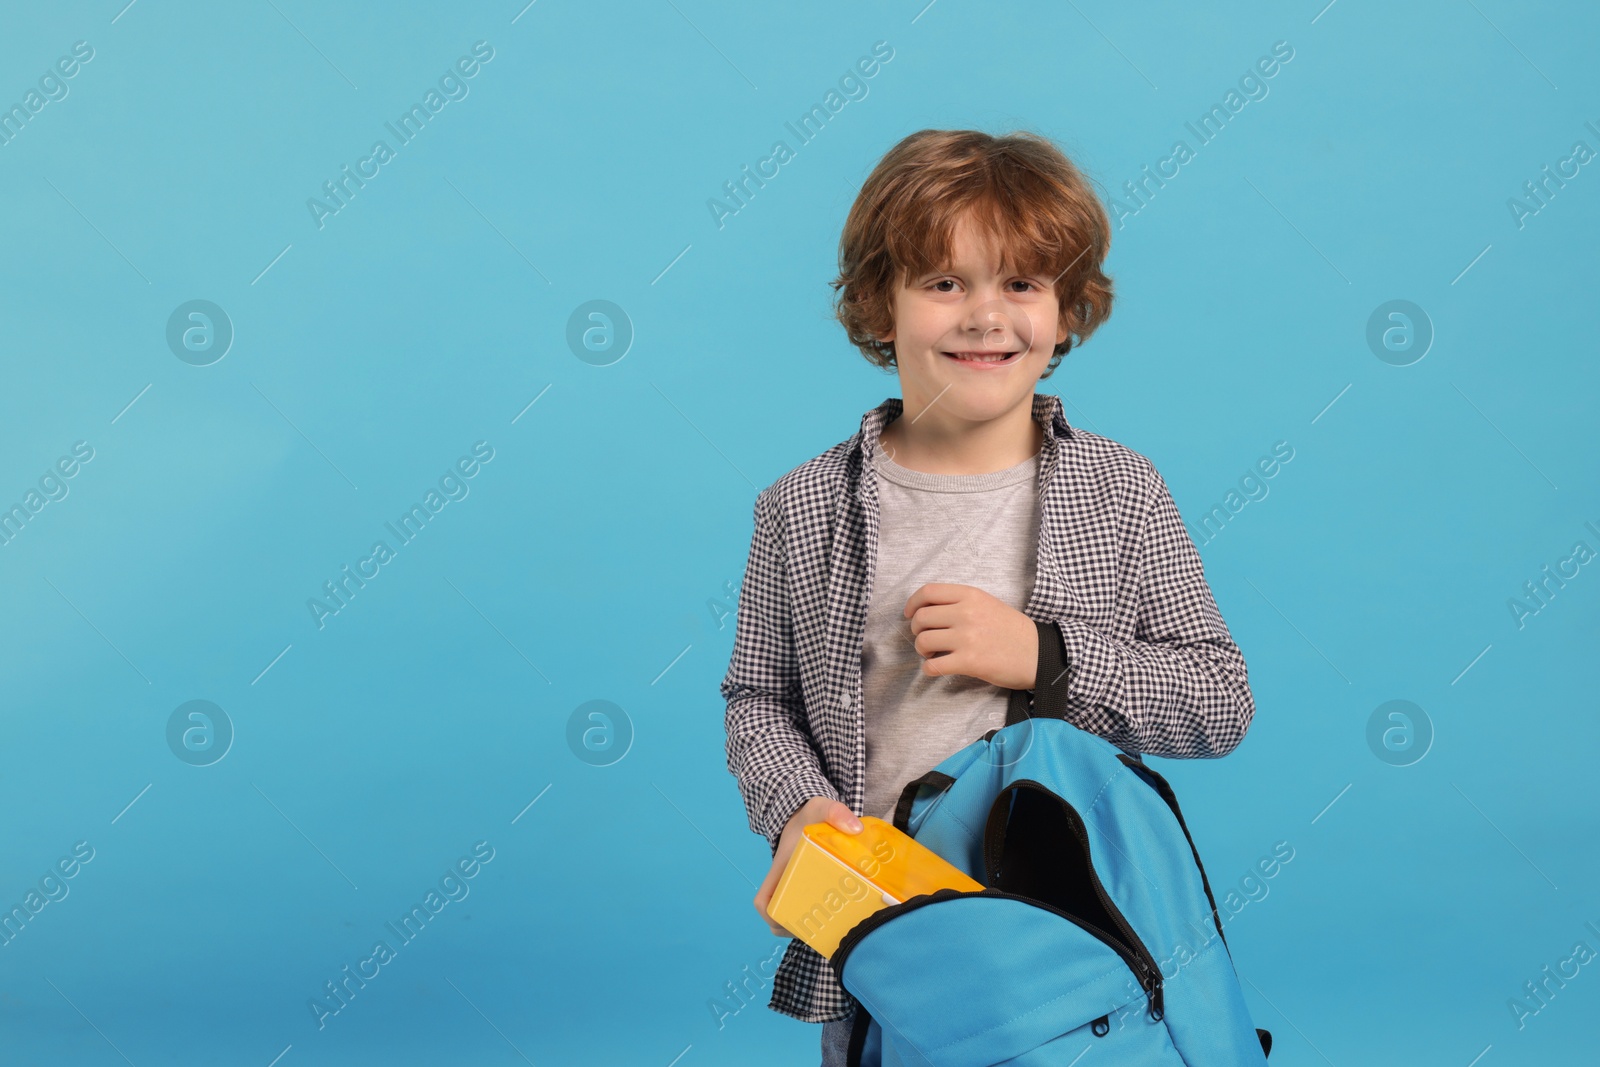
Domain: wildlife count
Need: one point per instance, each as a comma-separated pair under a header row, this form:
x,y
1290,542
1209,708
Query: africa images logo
x,y
452,486
337,993
453,85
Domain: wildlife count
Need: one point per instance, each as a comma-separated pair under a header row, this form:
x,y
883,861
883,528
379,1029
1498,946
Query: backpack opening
x,y
1038,854
1036,846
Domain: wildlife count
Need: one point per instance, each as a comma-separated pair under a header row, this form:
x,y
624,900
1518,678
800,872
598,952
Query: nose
x,y
997,326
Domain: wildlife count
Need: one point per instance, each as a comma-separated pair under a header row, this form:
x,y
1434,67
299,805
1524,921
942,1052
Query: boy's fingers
x,y
932,617
933,593
944,663
844,819
763,897
764,894
935,639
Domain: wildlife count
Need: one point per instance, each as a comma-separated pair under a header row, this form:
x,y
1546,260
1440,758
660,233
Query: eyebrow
x,y
1013,273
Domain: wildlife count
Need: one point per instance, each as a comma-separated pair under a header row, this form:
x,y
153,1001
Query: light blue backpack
x,y
1097,929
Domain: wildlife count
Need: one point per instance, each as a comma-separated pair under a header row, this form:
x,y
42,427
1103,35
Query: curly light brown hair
x,y
1021,189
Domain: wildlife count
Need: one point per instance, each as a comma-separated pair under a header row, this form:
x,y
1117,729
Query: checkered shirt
x,y
1151,665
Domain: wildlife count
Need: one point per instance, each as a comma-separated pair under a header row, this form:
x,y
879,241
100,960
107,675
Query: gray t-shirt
x,y
970,529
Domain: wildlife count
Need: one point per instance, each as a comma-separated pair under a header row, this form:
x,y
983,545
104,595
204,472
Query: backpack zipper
x,y
1130,957
881,916
1132,952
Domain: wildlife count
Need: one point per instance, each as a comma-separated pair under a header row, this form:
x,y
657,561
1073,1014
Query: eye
x,y
942,281
1024,281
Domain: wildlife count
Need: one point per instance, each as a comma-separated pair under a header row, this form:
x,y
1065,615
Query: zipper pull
x,y
1153,986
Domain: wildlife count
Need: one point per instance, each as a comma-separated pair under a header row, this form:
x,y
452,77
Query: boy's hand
x,y
960,629
817,809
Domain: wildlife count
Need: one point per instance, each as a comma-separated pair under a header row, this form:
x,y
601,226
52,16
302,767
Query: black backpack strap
x,y
1048,698
902,808
1019,707
1050,686
858,1035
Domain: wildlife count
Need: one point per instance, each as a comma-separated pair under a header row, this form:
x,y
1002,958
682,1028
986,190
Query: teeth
x,y
986,359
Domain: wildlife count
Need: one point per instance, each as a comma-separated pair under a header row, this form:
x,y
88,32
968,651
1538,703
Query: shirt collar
x,y
1047,413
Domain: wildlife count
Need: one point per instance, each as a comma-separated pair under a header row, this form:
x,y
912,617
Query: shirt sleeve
x,y
770,749
1179,688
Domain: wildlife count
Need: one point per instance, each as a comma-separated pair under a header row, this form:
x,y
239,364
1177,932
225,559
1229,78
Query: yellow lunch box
x,y
834,879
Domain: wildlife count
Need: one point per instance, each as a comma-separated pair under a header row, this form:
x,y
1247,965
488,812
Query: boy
x,y
966,541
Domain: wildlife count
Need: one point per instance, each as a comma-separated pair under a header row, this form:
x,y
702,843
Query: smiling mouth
x,y
984,359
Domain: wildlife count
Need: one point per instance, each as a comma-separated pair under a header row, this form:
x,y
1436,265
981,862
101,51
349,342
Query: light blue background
x,y
596,555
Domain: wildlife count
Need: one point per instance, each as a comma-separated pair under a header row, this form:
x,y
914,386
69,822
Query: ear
x,y
888,337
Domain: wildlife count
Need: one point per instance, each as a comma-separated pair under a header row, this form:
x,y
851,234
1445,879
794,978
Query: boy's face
x,y
973,309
